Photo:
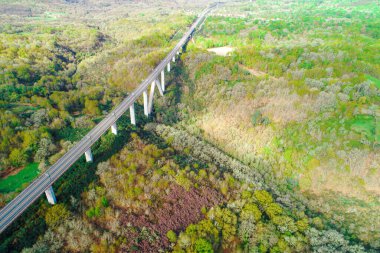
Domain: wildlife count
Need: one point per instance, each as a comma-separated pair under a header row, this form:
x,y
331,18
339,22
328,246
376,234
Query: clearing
x,y
222,51
14,182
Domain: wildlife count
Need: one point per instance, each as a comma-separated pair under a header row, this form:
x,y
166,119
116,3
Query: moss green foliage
x,y
203,246
56,214
171,235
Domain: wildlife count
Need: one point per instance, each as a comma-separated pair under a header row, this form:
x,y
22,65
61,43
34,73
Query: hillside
x,y
301,92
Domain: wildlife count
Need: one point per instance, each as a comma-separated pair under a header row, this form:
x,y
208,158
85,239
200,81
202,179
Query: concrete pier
x,y
163,80
114,128
51,196
169,67
146,111
89,157
132,114
151,96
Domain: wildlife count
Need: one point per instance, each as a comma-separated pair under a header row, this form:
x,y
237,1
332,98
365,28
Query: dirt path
x,y
252,71
9,172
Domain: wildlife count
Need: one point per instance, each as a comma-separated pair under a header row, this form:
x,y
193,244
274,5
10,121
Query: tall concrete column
x,y
146,111
114,128
89,157
163,80
51,196
169,67
151,96
132,113
174,58
177,52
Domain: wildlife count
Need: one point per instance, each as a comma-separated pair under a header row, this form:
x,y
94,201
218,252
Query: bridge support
x,y
169,67
151,96
163,80
89,157
51,196
114,128
177,52
174,58
146,111
132,113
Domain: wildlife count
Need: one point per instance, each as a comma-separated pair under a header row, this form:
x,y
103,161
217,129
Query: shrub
x,y
93,212
285,224
172,237
56,214
17,157
258,119
302,224
263,197
104,201
273,210
203,246
251,211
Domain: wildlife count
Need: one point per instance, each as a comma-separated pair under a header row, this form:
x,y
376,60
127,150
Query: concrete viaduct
x,y
43,184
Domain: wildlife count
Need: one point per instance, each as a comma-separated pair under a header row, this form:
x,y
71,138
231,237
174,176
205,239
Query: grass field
x,y
14,182
374,80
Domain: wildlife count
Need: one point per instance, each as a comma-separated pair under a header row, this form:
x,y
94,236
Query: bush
x,y
203,246
264,198
56,215
171,235
17,158
258,119
273,210
303,224
251,211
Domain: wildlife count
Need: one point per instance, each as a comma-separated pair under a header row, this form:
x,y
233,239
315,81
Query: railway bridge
x,y
44,183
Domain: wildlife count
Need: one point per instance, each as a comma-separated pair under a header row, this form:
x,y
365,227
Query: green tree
x,y
17,157
251,211
91,107
225,220
171,236
273,210
56,214
264,198
203,246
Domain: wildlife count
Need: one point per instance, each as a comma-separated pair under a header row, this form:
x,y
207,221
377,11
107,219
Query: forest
x,y
267,138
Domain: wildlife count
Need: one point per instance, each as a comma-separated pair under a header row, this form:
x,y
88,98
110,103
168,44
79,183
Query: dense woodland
x,y
272,147
57,81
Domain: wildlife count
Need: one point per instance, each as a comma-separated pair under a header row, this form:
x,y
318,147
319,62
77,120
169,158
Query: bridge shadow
x,y
166,109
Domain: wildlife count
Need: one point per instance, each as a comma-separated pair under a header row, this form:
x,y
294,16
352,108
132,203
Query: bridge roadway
x,y
30,194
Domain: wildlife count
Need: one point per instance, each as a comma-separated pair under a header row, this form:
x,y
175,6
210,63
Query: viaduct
x,y
43,184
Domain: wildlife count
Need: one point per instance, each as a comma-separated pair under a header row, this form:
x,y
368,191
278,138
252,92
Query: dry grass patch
x,y
222,51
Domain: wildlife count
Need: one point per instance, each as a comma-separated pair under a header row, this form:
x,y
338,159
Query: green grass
x,y
14,182
375,80
71,134
366,125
